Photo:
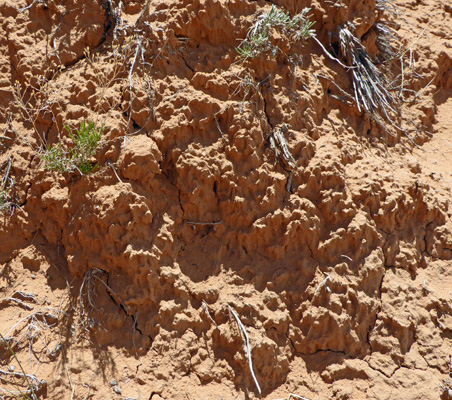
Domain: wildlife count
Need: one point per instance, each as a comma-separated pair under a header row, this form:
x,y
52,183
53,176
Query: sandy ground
x,y
234,201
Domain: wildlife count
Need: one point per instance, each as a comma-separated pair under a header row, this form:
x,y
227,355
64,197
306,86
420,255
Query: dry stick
x,y
204,305
114,170
6,175
296,396
142,12
19,375
321,284
202,223
330,56
31,390
7,300
246,344
39,312
53,34
218,125
29,6
89,387
335,84
70,382
413,43
403,78
131,78
425,87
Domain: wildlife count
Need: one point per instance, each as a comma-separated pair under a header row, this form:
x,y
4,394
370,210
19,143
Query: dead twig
x,y
322,284
295,396
8,300
204,305
349,96
203,223
246,343
329,55
142,12
278,144
6,174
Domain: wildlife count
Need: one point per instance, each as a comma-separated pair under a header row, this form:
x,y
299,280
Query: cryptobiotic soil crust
x,y
139,280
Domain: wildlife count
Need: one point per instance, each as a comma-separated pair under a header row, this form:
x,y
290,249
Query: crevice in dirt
x,y
109,17
420,352
372,327
383,372
290,341
186,64
310,250
121,305
323,351
170,181
156,393
128,114
46,136
265,108
53,33
425,239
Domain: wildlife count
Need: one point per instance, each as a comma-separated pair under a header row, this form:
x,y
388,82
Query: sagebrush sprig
x,y
257,40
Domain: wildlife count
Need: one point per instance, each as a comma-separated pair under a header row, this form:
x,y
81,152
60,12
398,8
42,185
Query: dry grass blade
x,y
386,5
370,86
246,344
385,37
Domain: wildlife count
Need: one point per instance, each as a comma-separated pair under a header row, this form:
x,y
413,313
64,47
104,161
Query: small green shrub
x,y
257,40
85,142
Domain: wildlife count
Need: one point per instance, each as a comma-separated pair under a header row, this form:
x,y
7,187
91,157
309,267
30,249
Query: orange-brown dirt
x,y
119,284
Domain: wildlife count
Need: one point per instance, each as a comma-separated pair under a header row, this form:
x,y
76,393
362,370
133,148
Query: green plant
x,y
257,40
78,157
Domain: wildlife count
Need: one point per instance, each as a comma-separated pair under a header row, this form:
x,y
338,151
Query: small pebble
x,y
33,276
113,383
117,389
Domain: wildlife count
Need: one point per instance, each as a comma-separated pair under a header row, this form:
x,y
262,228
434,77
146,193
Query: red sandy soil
x,y
119,284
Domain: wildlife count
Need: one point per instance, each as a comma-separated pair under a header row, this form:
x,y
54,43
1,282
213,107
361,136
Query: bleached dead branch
x,y
246,343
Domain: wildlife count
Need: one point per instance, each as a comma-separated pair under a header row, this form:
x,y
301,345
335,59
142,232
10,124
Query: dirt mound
x,y
267,175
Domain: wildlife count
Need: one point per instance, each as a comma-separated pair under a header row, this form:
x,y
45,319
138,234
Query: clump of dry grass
x,y
369,84
386,6
384,41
